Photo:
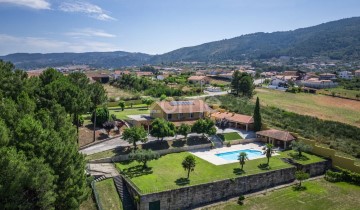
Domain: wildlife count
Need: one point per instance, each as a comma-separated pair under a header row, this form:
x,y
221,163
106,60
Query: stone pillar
x,y
284,144
247,127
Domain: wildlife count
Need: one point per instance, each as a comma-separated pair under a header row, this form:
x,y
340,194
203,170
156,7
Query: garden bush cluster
x,y
342,175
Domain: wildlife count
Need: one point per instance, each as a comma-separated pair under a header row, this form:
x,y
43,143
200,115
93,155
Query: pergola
x,y
274,137
141,120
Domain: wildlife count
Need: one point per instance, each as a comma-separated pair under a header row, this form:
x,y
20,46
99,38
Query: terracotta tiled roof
x,y
188,122
357,71
277,134
197,78
290,73
193,106
239,118
144,73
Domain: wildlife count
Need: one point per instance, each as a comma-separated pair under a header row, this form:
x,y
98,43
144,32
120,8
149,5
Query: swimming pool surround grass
x,y
229,136
166,173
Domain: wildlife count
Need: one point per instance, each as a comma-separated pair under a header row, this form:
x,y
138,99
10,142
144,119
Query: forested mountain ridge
x,y
337,40
94,59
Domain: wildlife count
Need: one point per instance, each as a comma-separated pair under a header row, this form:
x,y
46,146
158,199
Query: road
x,y
207,94
118,142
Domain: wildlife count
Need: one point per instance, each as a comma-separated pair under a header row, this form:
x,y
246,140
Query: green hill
x,y
337,39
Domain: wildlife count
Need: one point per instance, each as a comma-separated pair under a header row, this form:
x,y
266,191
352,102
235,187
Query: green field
x,y
321,106
158,177
229,136
108,195
341,92
319,195
134,111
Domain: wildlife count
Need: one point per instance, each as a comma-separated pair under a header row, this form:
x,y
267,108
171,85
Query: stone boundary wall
x,y
119,158
198,195
243,141
193,196
316,169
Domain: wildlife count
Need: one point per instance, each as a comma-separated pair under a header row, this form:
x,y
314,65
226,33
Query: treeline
x,y
337,135
353,84
151,87
39,160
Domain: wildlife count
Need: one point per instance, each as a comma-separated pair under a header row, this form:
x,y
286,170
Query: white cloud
x,y
88,32
35,4
87,8
14,44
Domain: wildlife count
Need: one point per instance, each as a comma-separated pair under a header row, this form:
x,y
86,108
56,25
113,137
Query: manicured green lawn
x,y
109,197
319,195
167,172
122,114
304,159
229,136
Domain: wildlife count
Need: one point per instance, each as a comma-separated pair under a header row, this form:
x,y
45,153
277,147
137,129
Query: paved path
x,y
207,93
102,169
118,142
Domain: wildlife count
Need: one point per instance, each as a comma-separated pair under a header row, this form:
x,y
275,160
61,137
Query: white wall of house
x,y
345,75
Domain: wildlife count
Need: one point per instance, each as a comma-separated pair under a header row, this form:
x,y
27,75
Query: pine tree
x,y
257,116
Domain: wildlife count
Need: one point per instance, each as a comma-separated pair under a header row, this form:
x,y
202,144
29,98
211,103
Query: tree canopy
x,y
42,168
204,126
162,128
135,134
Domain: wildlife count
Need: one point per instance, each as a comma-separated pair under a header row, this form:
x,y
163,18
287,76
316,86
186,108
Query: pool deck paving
x,y
210,155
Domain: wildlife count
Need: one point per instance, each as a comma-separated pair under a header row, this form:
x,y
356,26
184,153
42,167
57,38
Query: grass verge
x,y
229,136
319,194
108,195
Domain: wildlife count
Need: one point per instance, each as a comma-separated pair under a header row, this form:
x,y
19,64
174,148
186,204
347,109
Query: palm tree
x,y
242,157
269,151
189,164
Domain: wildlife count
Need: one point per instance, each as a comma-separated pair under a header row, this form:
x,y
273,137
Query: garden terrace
x,y
229,136
157,177
319,194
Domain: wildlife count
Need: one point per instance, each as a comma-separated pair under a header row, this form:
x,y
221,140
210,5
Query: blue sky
x,y
152,26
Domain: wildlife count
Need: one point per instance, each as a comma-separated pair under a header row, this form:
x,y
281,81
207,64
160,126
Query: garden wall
x,y
316,169
243,141
119,158
192,196
342,162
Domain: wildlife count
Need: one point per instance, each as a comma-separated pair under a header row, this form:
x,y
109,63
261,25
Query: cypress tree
x,y
257,116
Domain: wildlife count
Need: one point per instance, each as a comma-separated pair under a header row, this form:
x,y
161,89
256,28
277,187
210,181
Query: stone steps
x,y
124,194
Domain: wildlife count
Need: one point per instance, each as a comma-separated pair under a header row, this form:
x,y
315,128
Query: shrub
x,y
241,200
340,174
112,99
102,115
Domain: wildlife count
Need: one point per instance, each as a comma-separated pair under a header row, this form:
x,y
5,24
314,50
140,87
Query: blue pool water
x,y
233,155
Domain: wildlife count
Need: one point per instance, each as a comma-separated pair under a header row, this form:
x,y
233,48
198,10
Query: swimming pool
x,y
233,155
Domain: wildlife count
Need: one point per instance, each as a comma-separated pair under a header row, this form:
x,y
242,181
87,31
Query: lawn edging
x,y
119,158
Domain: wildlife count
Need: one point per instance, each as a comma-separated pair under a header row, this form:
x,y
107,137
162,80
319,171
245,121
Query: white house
x,y
345,75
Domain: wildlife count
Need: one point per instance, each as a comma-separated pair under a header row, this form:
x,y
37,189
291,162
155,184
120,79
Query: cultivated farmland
x,y
323,107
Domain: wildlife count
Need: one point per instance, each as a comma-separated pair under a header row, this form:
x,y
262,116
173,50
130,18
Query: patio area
x,y
211,156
